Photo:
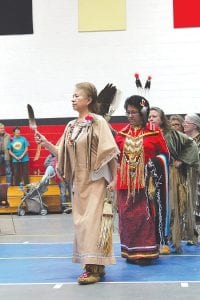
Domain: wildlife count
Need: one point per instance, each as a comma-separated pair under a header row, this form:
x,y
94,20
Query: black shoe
x,y
141,261
67,210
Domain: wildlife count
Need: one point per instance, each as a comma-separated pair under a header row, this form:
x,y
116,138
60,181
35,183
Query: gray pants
x,y
7,166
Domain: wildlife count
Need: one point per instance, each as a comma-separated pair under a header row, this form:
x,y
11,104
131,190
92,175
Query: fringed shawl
x,y
182,147
64,168
106,148
157,190
100,145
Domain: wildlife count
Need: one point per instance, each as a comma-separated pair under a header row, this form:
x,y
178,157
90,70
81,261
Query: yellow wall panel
x,y
101,15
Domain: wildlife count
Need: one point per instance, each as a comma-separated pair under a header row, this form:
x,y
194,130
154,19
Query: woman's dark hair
x,y
16,128
141,104
165,125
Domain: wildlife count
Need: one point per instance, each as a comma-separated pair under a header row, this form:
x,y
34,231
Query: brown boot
x,y
164,250
101,270
92,274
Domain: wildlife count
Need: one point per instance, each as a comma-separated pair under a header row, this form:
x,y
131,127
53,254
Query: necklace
x,y
73,131
76,127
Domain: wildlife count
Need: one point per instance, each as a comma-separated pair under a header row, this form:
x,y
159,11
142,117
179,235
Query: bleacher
x,y
10,196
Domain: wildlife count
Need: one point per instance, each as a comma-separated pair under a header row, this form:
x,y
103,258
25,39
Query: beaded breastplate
x,y
132,164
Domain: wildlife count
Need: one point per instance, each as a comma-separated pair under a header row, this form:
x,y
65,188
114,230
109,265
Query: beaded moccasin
x,y
92,274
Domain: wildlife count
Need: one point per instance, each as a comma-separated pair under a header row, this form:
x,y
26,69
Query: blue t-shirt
x,y
18,146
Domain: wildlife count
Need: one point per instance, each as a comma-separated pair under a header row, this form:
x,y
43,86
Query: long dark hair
x,y
141,104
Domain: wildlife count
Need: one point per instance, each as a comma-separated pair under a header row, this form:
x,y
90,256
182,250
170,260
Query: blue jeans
x,y
63,186
7,166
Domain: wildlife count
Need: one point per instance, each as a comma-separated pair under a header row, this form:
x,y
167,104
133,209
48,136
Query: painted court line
x,y
70,257
37,235
59,285
184,284
32,243
35,257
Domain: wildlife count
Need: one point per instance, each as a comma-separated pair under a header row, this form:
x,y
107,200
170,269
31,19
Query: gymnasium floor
x,y
35,261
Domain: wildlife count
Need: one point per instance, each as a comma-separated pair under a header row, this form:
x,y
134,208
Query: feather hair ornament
x,y
143,105
137,81
141,90
148,83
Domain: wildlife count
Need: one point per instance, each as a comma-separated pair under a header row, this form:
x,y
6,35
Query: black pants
x,y
20,173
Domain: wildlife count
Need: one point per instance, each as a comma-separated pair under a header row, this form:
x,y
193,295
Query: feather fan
x,y
31,116
33,125
105,99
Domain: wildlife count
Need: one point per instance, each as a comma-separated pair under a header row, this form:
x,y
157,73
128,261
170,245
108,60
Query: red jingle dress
x,y
142,221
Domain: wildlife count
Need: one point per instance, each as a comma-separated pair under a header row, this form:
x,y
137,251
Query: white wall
x,y
41,69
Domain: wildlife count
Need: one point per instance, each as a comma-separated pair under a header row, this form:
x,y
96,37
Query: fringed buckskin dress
x,y
84,151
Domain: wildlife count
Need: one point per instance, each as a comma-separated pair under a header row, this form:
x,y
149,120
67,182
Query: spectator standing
x,y
18,149
4,153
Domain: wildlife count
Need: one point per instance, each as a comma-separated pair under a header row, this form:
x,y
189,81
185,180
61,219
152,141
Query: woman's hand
x,y
42,140
39,138
177,163
111,186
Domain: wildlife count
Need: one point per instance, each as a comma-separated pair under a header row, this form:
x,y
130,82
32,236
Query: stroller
x,y
32,198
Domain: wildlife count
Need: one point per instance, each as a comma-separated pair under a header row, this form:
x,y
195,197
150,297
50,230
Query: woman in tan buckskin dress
x,y
86,155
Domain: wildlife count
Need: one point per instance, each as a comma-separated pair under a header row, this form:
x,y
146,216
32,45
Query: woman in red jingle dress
x,y
142,185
